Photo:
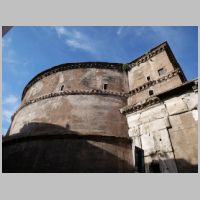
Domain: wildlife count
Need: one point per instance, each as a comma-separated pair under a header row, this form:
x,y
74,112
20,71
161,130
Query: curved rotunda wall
x,y
78,79
86,114
83,112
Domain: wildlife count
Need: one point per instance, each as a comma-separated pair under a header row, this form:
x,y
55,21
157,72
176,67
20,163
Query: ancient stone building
x,y
107,117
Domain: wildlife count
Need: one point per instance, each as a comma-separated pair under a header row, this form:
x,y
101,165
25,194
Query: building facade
x,y
107,117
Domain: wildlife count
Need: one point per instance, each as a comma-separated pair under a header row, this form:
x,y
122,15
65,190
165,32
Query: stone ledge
x,y
69,66
70,92
154,82
147,56
139,106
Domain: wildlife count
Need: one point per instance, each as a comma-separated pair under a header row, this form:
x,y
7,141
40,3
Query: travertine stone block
x,y
191,99
137,141
195,115
182,121
133,119
162,141
155,125
154,113
175,106
134,131
167,162
159,124
148,144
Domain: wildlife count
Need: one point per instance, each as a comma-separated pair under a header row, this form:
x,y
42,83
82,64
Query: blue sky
x,y
26,51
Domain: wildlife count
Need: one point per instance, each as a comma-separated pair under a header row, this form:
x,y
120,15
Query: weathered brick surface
x,y
87,114
78,79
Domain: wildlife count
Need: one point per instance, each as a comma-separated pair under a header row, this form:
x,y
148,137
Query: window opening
x,y
61,88
161,71
105,86
150,92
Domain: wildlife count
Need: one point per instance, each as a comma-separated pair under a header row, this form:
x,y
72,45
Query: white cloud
x,y
76,39
11,99
80,45
119,31
4,131
162,32
60,31
7,115
10,105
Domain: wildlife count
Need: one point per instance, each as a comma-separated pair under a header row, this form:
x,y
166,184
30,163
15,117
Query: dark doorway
x,y
139,160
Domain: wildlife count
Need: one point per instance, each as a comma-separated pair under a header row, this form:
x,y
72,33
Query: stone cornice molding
x,y
147,56
70,92
158,98
141,105
195,86
154,82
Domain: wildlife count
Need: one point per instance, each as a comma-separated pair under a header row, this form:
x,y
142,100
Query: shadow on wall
x,y
161,165
184,166
41,147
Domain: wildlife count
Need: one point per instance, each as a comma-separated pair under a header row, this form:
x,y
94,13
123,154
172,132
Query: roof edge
x,y
67,66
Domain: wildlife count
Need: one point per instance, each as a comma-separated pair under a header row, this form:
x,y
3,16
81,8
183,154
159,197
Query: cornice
x,y
154,82
160,97
147,56
70,66
141,105
70,92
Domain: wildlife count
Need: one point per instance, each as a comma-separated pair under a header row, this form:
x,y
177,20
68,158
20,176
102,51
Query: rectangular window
x,y
105,86
61,88
150,92
161,71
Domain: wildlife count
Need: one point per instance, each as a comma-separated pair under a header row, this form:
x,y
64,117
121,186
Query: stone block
x,y
134,131
154,113
162,141
191,99
147,160
167,163
184,139
137,141
159,124
165,160
155,125
175,106
183,121
148,144
133,119
195,115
